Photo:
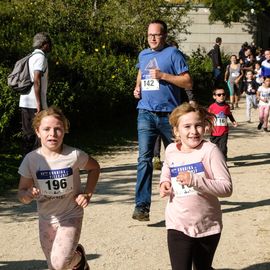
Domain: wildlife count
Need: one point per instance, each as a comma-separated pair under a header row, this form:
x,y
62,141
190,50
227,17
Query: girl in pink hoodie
x,y
194,175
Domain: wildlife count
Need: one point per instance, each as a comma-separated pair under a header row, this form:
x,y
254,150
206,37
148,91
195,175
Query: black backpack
x,y
19,79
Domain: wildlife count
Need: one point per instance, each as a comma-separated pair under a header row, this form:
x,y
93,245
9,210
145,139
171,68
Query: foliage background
x,y
91,67
95,48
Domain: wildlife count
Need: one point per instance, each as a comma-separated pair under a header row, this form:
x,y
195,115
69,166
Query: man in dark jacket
x,y
216,60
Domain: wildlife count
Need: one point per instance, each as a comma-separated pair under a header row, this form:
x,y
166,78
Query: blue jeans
x,y
217,76
217,73
150,125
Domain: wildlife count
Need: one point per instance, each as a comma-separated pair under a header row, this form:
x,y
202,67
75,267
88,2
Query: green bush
x,y
200,65
201,71
8,102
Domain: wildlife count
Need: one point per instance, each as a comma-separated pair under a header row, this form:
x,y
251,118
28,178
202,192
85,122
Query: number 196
x,y
56,184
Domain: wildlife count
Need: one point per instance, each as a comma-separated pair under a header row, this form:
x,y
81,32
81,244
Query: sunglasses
x,y
219,95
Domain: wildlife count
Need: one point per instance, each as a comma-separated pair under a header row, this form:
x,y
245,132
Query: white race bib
x,y
221,122
181,190
55,183
184,190
149,84
235,74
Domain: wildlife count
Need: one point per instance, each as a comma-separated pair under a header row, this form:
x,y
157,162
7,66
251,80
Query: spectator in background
x,y
233,75
253,48
215,56
258,73
241,54
36,100
248,63
265,67
259,55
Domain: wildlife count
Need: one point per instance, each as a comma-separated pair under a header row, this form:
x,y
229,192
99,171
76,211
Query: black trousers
x,y
186,251
221,142
30,140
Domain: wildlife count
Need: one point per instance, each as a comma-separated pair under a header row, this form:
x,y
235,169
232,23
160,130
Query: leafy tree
x,y
229,11
95,47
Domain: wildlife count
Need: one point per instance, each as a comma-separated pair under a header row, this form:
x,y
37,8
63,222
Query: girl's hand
x,y
35,192
83,199
27,195
184,178
165,189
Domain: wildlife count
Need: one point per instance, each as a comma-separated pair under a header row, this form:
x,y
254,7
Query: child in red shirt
x,y
221,109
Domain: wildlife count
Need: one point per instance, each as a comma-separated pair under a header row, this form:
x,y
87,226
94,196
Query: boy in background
x,y
221,109
250,87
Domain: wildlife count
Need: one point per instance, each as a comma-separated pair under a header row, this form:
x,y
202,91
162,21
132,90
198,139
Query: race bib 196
x,y
55,182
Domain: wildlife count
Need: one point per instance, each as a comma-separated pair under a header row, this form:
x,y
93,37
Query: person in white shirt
x,y
36,100
263,95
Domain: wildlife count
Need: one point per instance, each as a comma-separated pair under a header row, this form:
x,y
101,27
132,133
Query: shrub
x,y
8,102
200,65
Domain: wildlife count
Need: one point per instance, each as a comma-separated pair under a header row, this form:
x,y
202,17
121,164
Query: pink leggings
x,y
59,242
264,115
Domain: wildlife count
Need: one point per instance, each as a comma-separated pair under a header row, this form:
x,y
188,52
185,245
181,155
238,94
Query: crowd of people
x,y
194,173
246,74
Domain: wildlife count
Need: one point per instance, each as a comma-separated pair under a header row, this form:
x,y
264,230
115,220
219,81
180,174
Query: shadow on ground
x,y
239,206
259,266
243,130
250,160
33,264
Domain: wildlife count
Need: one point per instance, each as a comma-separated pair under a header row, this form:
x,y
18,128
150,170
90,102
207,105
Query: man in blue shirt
x,y
265,67
162,72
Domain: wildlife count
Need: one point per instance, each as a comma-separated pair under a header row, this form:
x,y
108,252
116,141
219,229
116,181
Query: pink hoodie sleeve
x,y
165,173
217,180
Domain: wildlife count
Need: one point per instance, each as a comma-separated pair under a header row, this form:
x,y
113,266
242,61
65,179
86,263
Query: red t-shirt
x,y
222,111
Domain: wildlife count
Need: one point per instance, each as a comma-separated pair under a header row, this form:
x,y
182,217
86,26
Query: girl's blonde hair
x,y
51,111
207,117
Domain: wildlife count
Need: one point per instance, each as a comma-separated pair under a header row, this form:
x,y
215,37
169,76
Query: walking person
x,y
162,72
263,95
36,100
50,175
215,56
233,75
220,132
194,175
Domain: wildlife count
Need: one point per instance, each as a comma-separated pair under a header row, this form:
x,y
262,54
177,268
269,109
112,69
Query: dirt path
x,y
114,241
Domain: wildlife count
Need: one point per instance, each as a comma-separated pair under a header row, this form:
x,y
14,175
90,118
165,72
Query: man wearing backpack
x,y
36,99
